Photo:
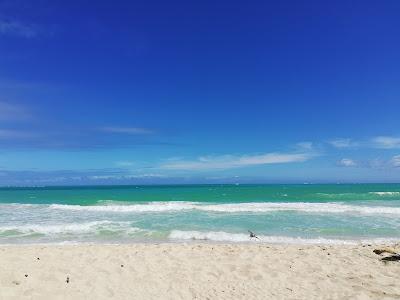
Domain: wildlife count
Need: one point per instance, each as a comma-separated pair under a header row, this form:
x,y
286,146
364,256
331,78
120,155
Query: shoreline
x,y
196,270
346,243
280,241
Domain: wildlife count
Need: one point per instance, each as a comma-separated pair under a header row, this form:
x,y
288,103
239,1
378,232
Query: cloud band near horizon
x,y
232,161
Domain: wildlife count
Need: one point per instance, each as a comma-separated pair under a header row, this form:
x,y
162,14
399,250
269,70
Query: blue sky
x,y
108,92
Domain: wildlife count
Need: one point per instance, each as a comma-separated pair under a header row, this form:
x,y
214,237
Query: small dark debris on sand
x,y
67,281
26,275
395,257
122,266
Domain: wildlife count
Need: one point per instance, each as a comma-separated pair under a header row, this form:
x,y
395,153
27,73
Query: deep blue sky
x,y
97,92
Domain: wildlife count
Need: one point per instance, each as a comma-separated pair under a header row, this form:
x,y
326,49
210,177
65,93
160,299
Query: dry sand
x,y
196,271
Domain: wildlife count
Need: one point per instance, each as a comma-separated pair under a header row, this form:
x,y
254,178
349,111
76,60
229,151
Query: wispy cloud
x,y
386,142
16,28
128,130
342,143
13,112
232,161
305,145
29,177
125,163
16,134
375,163
395,161
347,162
378,142
127,177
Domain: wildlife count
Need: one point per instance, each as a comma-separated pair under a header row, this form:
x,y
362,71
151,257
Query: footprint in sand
x,y
258,277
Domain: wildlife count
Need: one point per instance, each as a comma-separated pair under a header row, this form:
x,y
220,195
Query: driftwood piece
x,y
395,255
385,250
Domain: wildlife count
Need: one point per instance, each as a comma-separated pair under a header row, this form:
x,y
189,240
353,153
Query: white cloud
x,y
16,28
343,143
128,130
395,161
386,142
346,162
232,161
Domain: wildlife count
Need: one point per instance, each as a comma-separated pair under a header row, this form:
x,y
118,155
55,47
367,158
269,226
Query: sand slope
x,y
196,271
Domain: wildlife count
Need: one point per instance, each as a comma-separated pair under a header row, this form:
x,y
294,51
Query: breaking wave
x,y
262,207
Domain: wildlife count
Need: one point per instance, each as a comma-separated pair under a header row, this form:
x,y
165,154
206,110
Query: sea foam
x,y
70,228
385,193
262,207
221,236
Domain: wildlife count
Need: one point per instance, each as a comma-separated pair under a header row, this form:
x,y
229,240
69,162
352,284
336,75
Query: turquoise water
x,y
276,213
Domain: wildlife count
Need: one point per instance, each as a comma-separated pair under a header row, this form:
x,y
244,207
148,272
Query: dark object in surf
x,y
26,275
122,266
253,235
38,258
67,281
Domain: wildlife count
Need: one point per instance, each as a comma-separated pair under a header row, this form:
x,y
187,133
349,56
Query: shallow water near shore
x,y
310,214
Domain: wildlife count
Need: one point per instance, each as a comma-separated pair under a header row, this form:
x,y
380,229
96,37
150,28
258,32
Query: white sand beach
x,y
196,271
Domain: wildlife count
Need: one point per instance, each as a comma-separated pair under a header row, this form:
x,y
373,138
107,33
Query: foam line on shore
x,y
220,236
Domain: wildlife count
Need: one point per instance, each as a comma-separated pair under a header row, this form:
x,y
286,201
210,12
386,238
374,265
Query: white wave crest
x,y
221,236
236,207
385,193
148,207
70,228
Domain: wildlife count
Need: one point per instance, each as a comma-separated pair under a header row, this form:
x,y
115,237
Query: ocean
x,y
277,213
